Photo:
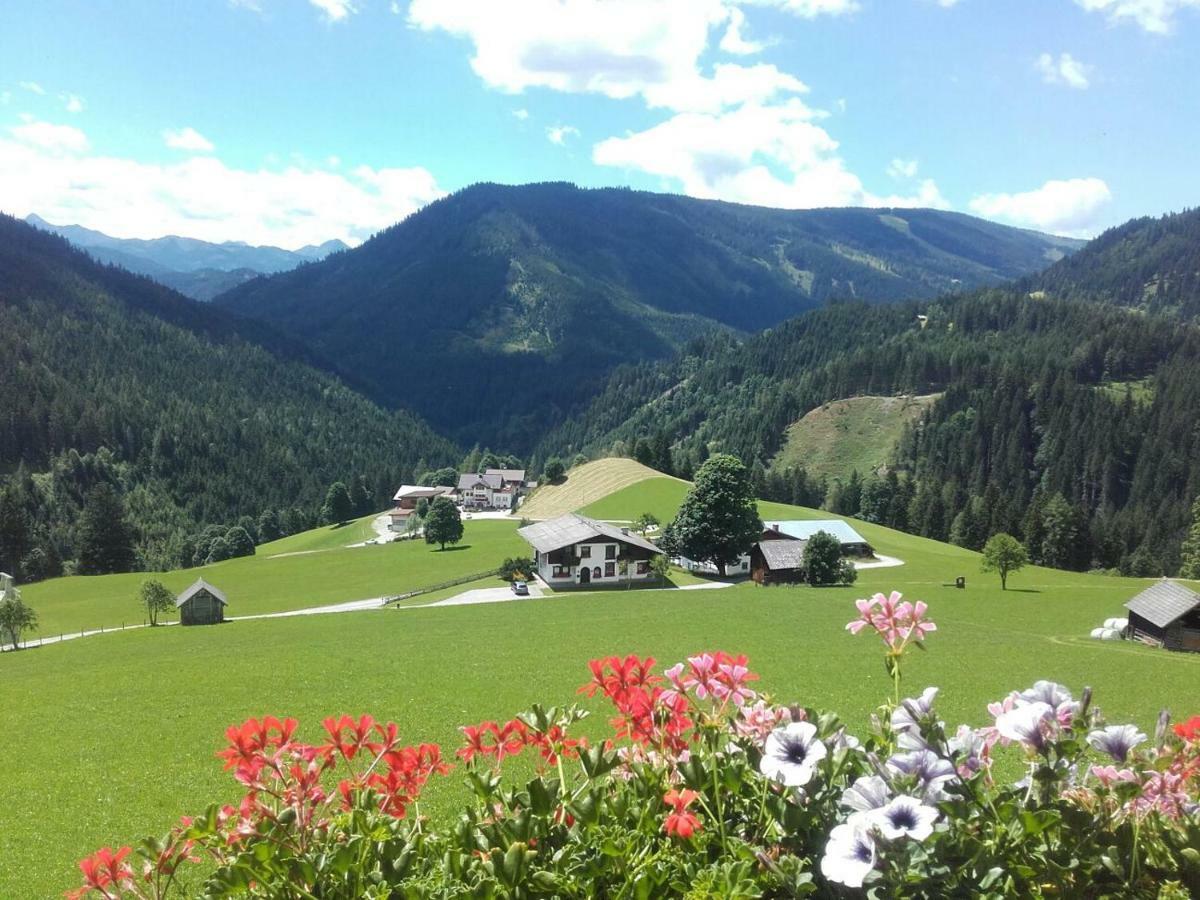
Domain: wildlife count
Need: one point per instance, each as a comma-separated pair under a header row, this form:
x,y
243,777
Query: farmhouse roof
x,y
507,474
572,528
1164,602
418,491
200,585
468,480
803,529
787,554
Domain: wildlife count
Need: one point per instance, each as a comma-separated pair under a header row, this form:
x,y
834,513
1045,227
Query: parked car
x,y
520,588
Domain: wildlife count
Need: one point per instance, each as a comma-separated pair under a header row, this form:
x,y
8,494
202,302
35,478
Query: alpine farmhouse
x,y
573,550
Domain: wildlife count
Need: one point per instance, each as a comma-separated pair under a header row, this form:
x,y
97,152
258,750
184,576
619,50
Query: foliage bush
x,y
517,567
709,787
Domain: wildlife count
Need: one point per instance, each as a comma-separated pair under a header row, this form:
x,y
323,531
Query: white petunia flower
x,y
791,754
850,854
867,793
904,817
1029,725
1116,740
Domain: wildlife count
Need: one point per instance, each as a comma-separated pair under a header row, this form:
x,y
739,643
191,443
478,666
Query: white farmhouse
x,y
574,549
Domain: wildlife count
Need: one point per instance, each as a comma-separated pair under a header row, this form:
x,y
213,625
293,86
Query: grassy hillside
x,y
585,484
266,584
840,437
127,724
498,309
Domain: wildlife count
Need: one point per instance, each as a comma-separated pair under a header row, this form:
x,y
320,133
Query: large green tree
x,y
1004,554
338,507
718,520
443,525
105,540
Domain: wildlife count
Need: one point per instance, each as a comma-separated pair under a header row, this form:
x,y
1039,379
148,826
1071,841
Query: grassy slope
x,y
258,584
327,537
839,437
128,723
585,484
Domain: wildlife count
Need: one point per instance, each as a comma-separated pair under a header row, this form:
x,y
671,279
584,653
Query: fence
x,y
72,635
439,587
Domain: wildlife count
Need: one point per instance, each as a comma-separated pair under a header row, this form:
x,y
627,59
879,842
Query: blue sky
x,y
292,121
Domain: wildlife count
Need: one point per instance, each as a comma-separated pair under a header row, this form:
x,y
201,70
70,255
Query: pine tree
x,y
15,538
105,541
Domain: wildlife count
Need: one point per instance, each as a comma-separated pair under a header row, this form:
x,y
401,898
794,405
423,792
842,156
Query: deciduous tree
x,y
823,562
155,599
443,525
718,520
1004,554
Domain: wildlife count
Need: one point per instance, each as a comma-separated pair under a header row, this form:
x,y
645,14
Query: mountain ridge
x,y
500,308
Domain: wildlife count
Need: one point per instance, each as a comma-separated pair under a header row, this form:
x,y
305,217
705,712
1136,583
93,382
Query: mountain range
x,y
192,414
197,269
496,311
550,321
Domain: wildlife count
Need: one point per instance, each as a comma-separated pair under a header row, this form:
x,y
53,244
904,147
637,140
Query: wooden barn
x,y
1166,614
778,561
201,604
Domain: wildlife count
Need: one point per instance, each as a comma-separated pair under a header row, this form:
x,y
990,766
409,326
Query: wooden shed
x,y
1166,614
201,604
777,561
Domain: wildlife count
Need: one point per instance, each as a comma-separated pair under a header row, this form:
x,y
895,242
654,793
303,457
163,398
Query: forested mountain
x,y
1150,264
191,415
498,310
198,269
1070,426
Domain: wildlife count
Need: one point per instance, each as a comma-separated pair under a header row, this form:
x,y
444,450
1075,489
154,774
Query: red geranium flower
x,y
680,822
1189,730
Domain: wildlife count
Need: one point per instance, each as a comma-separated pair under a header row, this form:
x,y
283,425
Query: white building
x,y
574,549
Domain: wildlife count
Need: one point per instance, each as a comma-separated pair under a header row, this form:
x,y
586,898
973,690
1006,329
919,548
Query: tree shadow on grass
x,y
453,547
1023,591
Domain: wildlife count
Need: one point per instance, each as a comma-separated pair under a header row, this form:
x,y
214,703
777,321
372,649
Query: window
x,y
610,569
610,551
585,552
643,567
596,572
561,572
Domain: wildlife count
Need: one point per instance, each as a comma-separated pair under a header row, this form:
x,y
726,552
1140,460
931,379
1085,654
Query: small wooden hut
x,y
777,561
201,604
1166,614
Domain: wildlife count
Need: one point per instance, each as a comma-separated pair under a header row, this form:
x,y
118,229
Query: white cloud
x,y
618,48
1064,70
810,9
396,8
734,42
1069,207
521,114
32,86
188,139
72,103
558,134
767,155
1155,16
902,168
48,137
200,196
335,10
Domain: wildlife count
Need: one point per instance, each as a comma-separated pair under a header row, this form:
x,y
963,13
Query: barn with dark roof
x,y
201,604
1166,614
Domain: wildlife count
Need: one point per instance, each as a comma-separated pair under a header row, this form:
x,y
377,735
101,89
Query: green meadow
x,y
309,569
112,737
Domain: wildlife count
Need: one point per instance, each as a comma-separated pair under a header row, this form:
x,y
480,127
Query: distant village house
x,y
201,604
406,501
575,550
491,489
777,557
1167,615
